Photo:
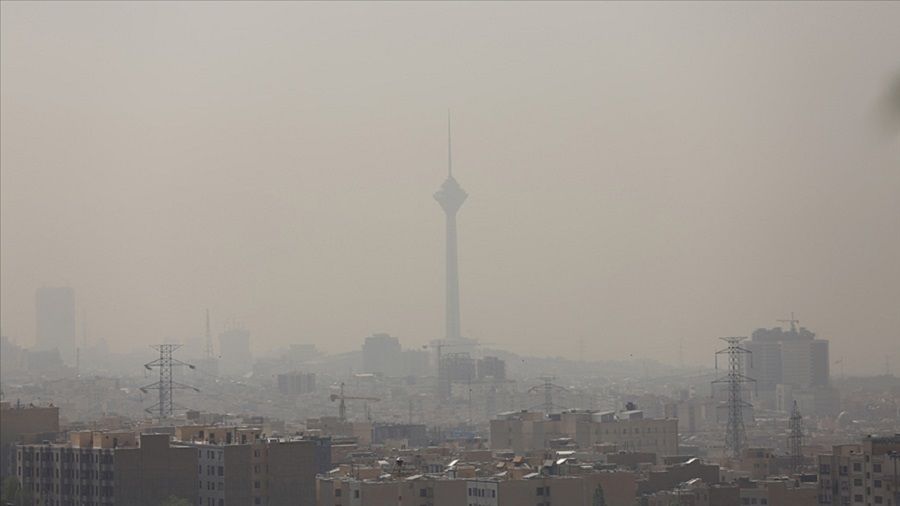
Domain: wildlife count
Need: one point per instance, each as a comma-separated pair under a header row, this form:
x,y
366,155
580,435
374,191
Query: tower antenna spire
x,y
209,346
449,148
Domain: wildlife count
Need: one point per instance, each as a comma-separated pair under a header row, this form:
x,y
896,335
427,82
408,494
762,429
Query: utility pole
x,y
166,384
795,439
735,438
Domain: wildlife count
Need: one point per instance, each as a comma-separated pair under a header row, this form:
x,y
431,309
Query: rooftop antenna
x,y
793,321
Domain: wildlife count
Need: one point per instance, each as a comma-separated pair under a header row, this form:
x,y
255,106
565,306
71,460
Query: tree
x,y
599,499
175,501
13,493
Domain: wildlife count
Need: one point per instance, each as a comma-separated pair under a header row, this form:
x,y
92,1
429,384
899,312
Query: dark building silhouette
x,y
382,355
55,321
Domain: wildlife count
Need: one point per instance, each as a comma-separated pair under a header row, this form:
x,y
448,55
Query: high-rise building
x,y
491,367
296,383
55,320
451,197
458,367
791,357
234,349
783,360
382,355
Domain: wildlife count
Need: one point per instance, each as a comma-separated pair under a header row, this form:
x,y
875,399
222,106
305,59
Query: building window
x,y
423,492
879,499
857,498
857,467
877,484
876,468
337,492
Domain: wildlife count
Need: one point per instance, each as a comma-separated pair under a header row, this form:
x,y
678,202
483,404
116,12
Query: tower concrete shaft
x,y
734,381
451,197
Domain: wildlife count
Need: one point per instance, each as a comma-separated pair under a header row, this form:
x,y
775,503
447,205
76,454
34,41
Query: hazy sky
x,y
638,174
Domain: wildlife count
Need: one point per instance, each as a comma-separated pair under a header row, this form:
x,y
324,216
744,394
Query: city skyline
x,y
599,213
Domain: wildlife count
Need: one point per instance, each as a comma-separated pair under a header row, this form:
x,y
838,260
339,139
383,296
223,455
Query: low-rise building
x,y
864,473
629,431
96,468
239,466
613,488
21,423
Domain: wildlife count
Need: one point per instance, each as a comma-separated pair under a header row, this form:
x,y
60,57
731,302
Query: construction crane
x,y
342,408
793,321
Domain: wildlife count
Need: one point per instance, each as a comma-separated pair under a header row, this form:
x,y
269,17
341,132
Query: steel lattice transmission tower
x,y
734,382
548,387
795,438
166,384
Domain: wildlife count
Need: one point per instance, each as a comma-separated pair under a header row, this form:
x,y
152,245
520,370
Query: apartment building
x,y
20,423
99,468
616,489
417,490
864,474
240,466
629,431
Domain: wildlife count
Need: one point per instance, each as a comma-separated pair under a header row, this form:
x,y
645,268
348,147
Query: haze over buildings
x,y
640,174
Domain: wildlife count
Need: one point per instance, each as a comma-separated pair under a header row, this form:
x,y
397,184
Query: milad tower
x,y
451,197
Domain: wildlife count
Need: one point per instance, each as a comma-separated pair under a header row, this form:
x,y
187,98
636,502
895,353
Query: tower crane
x,y
342,408
793,321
